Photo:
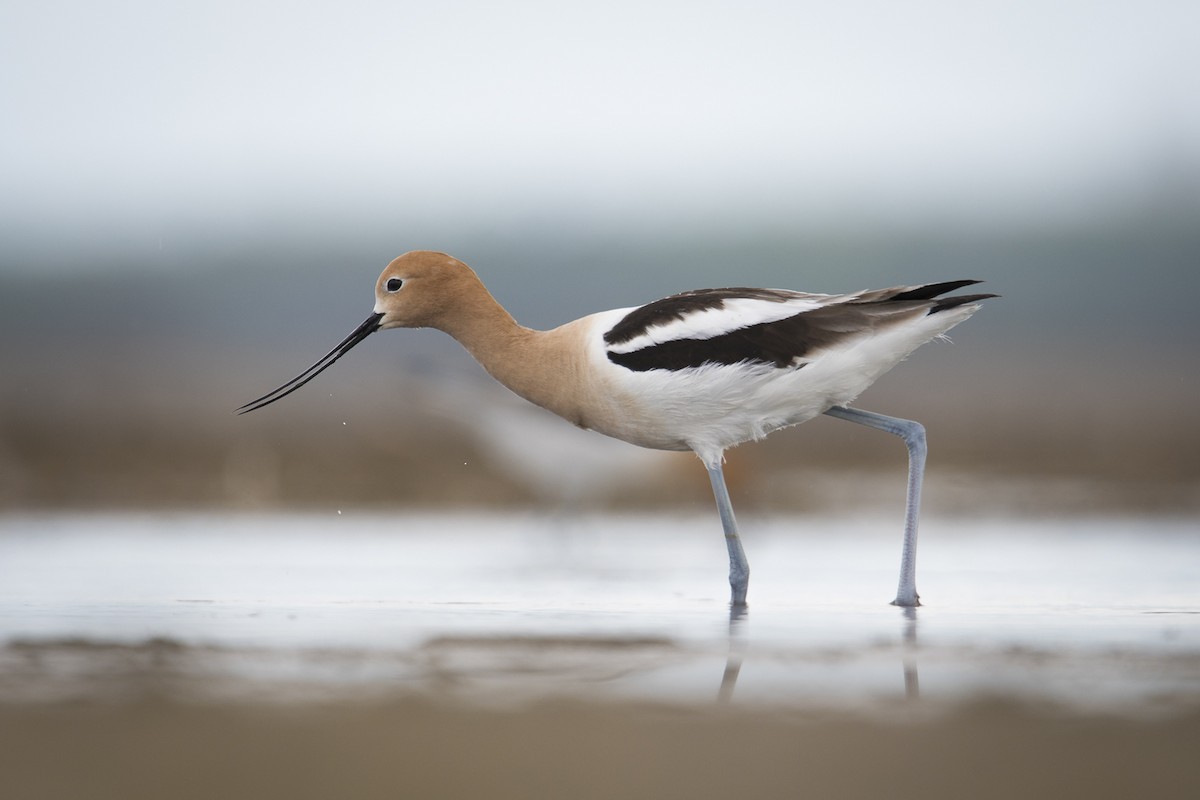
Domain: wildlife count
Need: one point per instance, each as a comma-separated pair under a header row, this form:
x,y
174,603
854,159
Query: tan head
x,y
421,289
418,289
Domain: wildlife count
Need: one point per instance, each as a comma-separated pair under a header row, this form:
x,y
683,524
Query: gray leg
x,y
913,434
739,568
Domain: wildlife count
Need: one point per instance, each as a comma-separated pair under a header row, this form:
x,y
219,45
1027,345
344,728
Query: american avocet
x,y
701,371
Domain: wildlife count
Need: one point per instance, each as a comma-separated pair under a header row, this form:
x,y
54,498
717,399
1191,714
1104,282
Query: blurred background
x,y
197,198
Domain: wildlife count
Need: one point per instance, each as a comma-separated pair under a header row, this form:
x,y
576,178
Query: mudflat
x,y
432,749
201,656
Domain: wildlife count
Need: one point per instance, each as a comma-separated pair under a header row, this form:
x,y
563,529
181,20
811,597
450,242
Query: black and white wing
x,y
763,326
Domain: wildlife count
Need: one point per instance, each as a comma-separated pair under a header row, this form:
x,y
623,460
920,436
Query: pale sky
x,y
145,113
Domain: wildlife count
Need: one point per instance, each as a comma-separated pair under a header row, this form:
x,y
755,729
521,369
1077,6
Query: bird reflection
x,y
908,643
737,644
733,662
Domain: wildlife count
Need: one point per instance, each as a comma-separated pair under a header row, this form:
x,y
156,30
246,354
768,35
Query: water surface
x,y
1101,614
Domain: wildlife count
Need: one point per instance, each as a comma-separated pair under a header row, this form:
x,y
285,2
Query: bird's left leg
x,y
739,568
913,434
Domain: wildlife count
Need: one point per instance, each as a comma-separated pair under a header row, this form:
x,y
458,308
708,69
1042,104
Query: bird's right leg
x,y
913,434
739,568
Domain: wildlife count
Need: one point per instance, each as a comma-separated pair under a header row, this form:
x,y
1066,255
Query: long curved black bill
x,y
361,332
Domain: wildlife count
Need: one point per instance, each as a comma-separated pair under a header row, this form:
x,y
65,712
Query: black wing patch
x,y
929,290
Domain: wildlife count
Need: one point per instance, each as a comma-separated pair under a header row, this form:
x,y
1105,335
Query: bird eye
x,y
394,284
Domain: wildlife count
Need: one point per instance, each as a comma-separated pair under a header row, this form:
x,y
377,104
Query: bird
x,y
704,370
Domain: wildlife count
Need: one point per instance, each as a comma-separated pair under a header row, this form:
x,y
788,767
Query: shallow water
x,y
1100,614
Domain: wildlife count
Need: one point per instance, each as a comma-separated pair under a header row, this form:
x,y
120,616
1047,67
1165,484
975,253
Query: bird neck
x,y
487,331
540,366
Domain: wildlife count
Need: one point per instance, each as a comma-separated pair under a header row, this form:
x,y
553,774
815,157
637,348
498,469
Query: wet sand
x,y
430,749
